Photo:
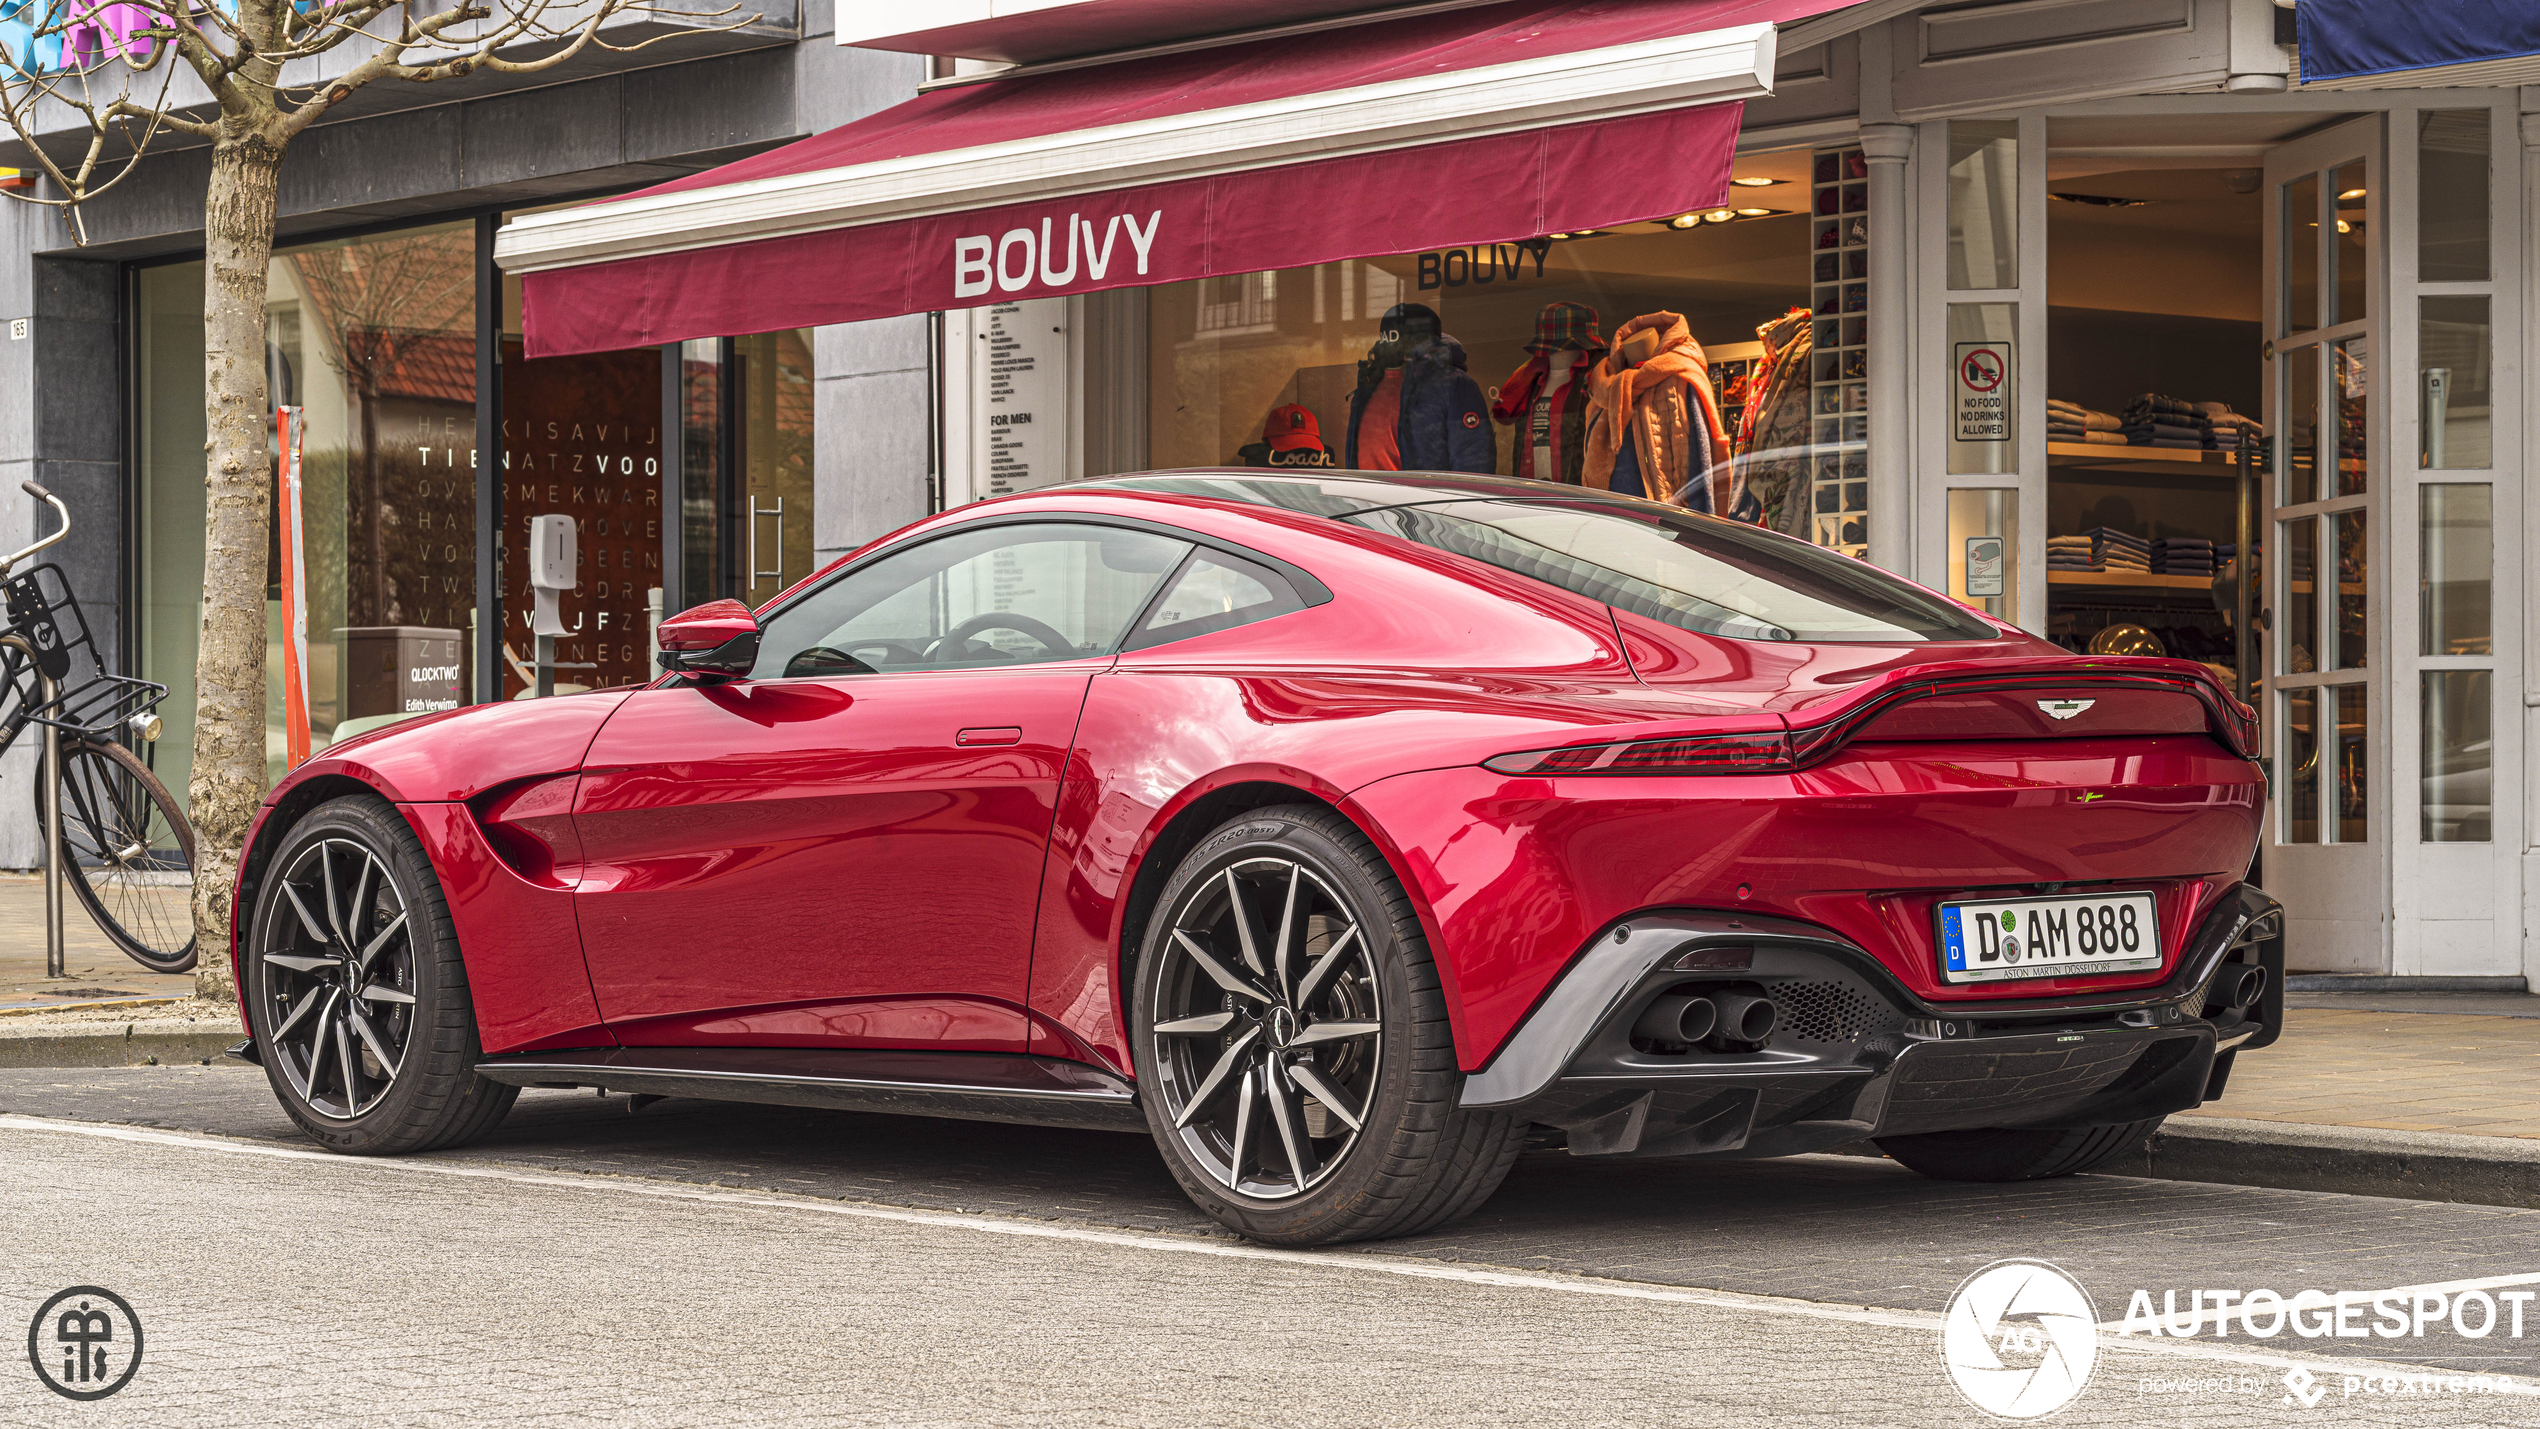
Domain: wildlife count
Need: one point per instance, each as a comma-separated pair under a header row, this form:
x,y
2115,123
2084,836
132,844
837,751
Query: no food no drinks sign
x,y
1983,387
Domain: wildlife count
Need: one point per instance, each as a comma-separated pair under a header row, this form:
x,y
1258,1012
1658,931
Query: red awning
x,y
881,218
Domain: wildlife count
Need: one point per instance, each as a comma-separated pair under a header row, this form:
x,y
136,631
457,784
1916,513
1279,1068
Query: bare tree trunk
x,y
229,662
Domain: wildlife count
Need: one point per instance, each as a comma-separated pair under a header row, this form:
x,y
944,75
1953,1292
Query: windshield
x,y
1696,572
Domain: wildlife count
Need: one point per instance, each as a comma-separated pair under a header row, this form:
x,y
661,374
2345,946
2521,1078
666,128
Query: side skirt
x,y
970,1086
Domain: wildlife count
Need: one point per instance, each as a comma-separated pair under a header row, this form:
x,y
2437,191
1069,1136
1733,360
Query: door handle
x,y
973,738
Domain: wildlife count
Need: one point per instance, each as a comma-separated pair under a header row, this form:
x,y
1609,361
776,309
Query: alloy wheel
x,y
1267,1027
338,983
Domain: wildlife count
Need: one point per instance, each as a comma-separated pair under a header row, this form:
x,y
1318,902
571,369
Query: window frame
x,y
1308,589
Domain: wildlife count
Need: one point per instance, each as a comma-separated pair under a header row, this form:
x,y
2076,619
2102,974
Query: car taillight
x,y
1762,753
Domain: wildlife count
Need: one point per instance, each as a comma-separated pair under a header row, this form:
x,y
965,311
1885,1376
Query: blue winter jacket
x,y
1445,423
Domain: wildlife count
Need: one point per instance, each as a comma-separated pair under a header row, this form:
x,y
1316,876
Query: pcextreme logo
x,y
2020,1339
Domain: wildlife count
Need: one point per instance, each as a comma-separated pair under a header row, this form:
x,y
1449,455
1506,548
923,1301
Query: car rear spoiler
x,y
2231,723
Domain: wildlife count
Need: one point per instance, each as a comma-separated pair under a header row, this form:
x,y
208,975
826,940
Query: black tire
x,y
1996,1155
380,942
1416,1161
128,851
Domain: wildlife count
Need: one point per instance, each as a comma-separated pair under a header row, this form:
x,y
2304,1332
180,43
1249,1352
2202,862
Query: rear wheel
x,y
2001,1155
1293,1043
355,992
128,851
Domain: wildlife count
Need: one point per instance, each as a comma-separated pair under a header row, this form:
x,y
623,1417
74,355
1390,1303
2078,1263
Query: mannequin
x,y
1416,408
1547,398
1653,426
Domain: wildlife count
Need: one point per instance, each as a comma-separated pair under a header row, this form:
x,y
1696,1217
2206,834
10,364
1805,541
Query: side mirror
x,y
717,640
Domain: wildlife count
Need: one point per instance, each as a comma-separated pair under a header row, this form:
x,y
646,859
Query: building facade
x,y
2098,317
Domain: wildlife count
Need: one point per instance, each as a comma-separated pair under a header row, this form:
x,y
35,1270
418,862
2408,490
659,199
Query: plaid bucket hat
x,y
1570,325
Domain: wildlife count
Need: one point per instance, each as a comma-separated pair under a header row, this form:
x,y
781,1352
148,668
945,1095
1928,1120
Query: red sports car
x,y
1345,833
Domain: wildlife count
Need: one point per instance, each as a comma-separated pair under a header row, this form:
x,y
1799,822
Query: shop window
x,y
2353,555
2301,276
583,437
2458,800
2350,384
2452,196
2301,408
2349,254
2353,767
373,339
2456,565
2301,756
1740,331
2454,388
1984,203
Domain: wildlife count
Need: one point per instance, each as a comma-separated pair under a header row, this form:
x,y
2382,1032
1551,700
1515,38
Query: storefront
x,y
374,340
2110,326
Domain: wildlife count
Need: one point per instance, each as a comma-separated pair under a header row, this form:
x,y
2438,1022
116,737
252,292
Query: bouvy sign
x,y
1020,258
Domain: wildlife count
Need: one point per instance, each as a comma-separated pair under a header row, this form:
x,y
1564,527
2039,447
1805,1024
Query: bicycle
x,y
127,851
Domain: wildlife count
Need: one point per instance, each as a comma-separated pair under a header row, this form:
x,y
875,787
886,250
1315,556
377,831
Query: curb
x,y
2345,1160
139,1043
2375,982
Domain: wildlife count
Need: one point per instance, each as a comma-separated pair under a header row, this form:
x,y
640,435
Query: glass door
x,y
2328,823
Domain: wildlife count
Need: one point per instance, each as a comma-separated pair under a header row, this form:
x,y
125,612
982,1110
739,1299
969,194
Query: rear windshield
x,y
1697,572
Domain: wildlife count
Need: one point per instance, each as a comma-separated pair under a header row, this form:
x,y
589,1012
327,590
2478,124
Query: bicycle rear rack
x,y
98,707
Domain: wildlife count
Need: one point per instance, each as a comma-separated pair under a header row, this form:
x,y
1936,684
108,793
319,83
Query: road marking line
x,y
1224,1250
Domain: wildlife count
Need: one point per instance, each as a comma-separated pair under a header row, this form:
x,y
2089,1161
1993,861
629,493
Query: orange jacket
x,y
1664,406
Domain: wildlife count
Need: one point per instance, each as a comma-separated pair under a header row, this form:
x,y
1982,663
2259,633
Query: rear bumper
x,y
1856,1054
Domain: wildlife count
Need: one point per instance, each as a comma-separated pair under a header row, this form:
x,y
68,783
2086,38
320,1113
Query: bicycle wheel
x,y
129,852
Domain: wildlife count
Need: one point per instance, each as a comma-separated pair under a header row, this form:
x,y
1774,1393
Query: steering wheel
x,y
956,642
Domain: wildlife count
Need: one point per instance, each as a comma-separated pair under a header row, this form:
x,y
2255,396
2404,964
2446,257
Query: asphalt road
x,y
698,1264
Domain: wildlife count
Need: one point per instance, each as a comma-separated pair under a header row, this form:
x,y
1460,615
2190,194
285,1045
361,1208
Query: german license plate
x,y
2048,937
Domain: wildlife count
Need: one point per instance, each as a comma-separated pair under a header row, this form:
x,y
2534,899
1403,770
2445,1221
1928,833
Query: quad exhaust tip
x,y
1722,1021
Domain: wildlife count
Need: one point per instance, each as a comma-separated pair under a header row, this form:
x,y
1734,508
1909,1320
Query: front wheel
x,y
1293,1045
2003,1155
127,852
355,992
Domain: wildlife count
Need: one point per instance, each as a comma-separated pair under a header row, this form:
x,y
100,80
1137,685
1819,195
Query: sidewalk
x,y
2373,1069
98,970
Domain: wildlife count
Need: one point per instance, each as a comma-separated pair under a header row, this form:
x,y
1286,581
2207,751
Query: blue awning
x,y
2348,39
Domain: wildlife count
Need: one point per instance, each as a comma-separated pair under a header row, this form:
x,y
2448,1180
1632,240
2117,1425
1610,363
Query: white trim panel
x,y
1651,75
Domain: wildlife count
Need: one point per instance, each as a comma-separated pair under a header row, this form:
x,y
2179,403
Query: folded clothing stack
x,y
2073,422
2153,420
2071,553
2118,551
2183,556
2228,424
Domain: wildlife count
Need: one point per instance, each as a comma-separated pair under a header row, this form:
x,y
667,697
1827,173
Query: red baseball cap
x,y
1291,428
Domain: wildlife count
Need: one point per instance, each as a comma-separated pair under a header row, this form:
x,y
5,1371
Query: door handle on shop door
x,y
973,738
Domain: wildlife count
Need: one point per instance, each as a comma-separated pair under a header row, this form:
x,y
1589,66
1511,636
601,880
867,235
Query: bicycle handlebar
x,y
37,491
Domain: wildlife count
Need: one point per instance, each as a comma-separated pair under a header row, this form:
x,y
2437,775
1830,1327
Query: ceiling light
x,y
1753,182
1556,235
2344,227
1684,220
2351,193
1719,215
1757,212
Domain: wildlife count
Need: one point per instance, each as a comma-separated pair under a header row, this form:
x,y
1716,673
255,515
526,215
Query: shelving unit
x,y
2179,608
1839,373
1733,369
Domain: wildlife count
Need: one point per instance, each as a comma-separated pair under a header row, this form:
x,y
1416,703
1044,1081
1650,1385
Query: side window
x,y
1002,595
1216,591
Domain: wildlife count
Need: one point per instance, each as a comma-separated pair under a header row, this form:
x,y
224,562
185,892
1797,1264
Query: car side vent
x,y
1832,1012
